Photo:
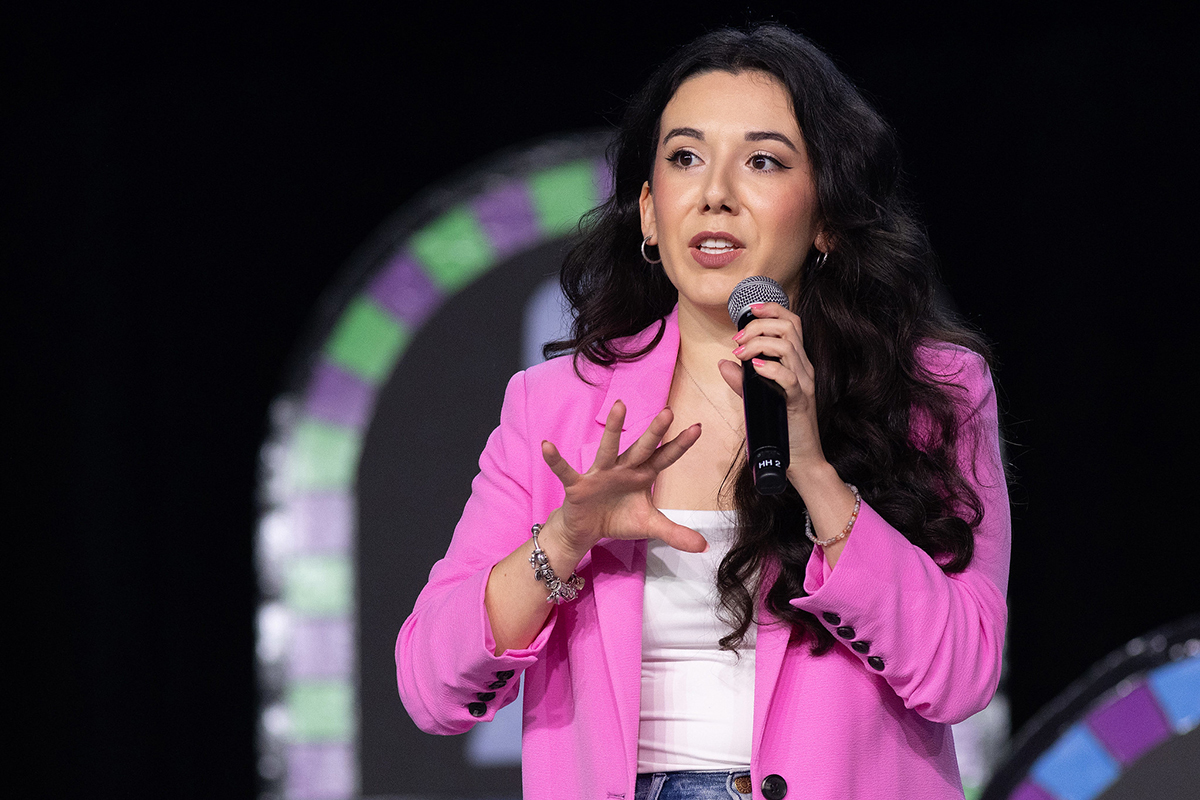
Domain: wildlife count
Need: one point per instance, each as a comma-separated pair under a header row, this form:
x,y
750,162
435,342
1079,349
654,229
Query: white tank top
x,y
697,708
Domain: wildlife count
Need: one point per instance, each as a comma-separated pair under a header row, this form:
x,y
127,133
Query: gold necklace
x,y
704,394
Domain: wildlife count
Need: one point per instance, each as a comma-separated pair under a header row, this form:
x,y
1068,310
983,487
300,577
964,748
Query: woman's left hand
x,y
776,333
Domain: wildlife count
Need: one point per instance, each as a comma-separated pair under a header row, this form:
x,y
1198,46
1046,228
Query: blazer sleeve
x,y
448,675
936,639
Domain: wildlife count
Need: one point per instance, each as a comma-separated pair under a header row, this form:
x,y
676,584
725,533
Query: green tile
x,y
453,249
562,195
321,711
319,586
367,340
323,456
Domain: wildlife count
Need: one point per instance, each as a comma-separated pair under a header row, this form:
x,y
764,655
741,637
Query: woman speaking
x,y
682,633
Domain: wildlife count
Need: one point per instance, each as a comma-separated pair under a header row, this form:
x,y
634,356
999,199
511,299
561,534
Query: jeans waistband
x,y
729,784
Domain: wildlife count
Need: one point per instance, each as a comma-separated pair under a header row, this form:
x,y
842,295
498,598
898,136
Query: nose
x,y
719,194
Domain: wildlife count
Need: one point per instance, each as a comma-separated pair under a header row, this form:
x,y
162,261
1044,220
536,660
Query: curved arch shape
x,y
428,253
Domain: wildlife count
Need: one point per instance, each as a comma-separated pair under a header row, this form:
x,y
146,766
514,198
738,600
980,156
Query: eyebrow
x,y
751,136
772,136
690,132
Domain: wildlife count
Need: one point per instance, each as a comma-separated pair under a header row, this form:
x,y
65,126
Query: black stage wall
x,y
182,184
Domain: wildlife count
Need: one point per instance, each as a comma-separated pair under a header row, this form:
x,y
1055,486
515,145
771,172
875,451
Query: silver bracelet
x,y
560,591
808,526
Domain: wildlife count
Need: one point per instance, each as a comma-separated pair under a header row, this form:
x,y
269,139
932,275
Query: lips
x,y
715,241
715,248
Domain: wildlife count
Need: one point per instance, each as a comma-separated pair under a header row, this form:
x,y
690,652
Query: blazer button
x,y
862,646
505,674
832,618
846,632
485,696
774,787
477,709
876,663
500,684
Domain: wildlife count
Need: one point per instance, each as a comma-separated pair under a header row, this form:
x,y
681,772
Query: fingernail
x,y
737,337
758,362
757,306
737,351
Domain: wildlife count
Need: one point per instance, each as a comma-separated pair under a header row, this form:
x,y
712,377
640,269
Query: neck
x,y
705,337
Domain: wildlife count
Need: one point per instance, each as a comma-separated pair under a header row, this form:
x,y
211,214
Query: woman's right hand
x,y
613,498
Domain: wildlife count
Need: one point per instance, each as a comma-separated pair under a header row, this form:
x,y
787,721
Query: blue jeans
x,y
692,785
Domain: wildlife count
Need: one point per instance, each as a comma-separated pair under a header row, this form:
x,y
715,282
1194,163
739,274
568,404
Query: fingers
x,y
772,319
778,337
558,465
670,452
610,442
731,371
647,443
787,379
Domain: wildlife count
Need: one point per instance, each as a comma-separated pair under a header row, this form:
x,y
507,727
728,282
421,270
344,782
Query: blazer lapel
x,y
643,385
769,649
618,583
617,567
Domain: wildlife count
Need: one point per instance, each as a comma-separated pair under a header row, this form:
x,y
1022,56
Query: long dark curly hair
x,y
865,311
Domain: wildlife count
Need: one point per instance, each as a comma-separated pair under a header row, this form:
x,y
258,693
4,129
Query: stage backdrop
x,y
374,444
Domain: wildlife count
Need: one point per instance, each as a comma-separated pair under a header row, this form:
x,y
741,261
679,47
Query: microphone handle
x,y
766,426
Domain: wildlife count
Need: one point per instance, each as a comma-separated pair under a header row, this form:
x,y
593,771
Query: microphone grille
x,y
756,289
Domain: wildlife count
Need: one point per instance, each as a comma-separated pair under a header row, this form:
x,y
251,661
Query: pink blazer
x,y
918,649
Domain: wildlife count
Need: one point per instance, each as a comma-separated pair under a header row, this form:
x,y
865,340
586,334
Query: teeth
x,y
716,245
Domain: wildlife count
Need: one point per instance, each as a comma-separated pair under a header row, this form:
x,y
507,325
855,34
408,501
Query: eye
x,y
684,158
762,162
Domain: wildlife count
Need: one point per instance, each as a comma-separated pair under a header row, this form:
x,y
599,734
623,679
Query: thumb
x,y
680,537
731,371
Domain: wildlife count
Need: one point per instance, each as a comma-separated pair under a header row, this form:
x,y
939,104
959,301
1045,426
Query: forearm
x,y
515,601
829,502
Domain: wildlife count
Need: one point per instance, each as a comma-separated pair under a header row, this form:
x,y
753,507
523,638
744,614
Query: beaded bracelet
x,y
560,591
808,526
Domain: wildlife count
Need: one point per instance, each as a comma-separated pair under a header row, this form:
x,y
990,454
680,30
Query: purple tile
x,y
323,522
403,288
604,183
1129,726
507,217
1028,790
334,395
320,771
321,648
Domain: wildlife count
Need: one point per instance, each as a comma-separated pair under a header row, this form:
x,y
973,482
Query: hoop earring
x,y
821,259
647,258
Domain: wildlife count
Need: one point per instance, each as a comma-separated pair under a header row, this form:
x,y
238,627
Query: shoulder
x,y
966,377
550,400
559,375
955,365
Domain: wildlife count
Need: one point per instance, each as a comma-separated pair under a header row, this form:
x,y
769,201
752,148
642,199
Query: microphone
x,y
763,399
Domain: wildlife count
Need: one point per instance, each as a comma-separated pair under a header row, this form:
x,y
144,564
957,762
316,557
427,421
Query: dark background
x,y
182,184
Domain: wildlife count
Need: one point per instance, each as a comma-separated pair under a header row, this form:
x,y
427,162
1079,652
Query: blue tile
x,y
1076,767
1177,689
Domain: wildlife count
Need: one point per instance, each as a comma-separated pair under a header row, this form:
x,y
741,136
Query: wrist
x,y
563,549
813,478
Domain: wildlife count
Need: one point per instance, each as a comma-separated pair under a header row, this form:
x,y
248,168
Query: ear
x,y
824,241
649,221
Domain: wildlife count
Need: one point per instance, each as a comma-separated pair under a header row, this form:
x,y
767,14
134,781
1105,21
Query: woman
x,y
712,647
